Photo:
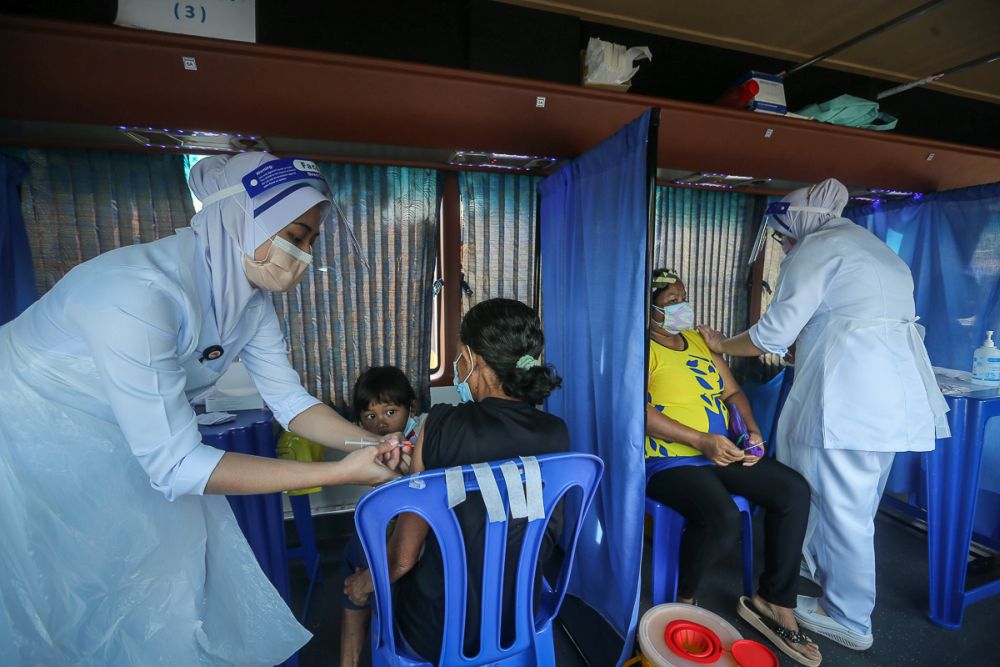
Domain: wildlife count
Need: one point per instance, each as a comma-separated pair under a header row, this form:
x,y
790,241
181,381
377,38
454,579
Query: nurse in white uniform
x,y
116,545
864,390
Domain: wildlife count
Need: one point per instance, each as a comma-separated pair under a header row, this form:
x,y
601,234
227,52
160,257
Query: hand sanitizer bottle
x,y
986,363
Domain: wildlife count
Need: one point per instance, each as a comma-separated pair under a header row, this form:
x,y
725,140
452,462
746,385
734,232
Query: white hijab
x,y
226,229
823,202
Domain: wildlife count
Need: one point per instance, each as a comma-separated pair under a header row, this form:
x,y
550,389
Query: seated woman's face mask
x,y
280,270
462,387
677,317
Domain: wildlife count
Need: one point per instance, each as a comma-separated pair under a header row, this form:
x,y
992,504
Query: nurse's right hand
x,y
366,466
720,450
712,338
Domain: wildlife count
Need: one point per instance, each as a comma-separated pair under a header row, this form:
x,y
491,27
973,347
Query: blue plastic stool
x,y
668,526
426,494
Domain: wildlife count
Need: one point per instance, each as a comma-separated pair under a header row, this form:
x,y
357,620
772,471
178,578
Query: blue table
x,y
947,482
260,516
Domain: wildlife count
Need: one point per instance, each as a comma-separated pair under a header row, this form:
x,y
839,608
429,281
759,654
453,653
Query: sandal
x,y
780,636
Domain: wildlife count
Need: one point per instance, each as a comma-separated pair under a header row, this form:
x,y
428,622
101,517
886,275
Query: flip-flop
x,y
782,637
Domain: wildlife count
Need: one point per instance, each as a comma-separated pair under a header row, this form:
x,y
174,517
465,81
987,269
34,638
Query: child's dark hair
x,y
503,332
662,279
382,384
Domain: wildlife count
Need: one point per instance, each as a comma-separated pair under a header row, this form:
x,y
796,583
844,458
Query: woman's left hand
x,y
758,440
358,586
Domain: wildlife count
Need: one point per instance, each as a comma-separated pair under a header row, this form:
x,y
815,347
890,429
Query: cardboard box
x,y
771,94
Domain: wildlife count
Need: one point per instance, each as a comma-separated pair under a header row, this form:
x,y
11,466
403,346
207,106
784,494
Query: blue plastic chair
x,y
533,644
668,526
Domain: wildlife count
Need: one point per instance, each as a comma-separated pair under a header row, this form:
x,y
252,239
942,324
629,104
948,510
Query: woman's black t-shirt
x,y
491,430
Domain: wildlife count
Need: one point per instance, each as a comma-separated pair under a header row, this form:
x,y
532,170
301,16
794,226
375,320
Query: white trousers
x,y
839,549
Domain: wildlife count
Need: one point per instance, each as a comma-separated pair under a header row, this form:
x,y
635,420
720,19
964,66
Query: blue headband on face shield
x,y
271,175
282,171
774,209
278,172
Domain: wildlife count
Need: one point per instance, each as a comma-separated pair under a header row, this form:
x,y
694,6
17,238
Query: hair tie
x,y
527,361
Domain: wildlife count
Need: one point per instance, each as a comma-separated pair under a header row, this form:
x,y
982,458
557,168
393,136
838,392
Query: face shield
x,y
285,179
262,184
778,221
773,221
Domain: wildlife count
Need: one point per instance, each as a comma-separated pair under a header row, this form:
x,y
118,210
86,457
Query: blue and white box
x,y
771,96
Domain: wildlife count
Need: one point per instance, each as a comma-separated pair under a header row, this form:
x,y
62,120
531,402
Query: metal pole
x,y
899,20
934,77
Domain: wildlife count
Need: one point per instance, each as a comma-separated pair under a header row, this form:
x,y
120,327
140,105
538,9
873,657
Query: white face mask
x,y
676,317
281,270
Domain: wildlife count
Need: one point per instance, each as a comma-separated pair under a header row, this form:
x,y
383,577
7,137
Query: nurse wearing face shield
x,y
118,547
864,390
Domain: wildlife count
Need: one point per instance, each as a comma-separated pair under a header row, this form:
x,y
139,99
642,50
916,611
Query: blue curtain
x,y
498,236
951,242
594,235
17,275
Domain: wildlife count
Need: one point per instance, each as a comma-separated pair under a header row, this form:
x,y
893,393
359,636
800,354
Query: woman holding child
x,y
500,380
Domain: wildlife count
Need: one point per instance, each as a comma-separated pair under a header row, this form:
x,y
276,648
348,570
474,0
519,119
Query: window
x,y
498,226
707,236
80,203
367,299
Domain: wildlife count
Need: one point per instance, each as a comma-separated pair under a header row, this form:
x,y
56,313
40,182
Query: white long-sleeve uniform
x,y
111,556
864,389
862,377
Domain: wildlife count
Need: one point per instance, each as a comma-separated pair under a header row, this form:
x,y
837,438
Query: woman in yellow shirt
x,y
692,466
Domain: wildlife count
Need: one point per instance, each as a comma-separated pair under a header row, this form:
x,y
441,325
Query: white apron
x,y
862,384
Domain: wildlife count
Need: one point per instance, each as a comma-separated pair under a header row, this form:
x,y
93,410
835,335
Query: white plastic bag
x,y
608,63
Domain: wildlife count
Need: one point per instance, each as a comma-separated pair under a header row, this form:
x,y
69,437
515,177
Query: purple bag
x,y
740,434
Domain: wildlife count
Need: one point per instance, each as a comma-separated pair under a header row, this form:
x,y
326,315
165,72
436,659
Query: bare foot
x,y
786,619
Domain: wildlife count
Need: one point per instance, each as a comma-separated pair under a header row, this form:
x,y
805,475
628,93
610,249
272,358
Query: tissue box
x,y
223,402
771,96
